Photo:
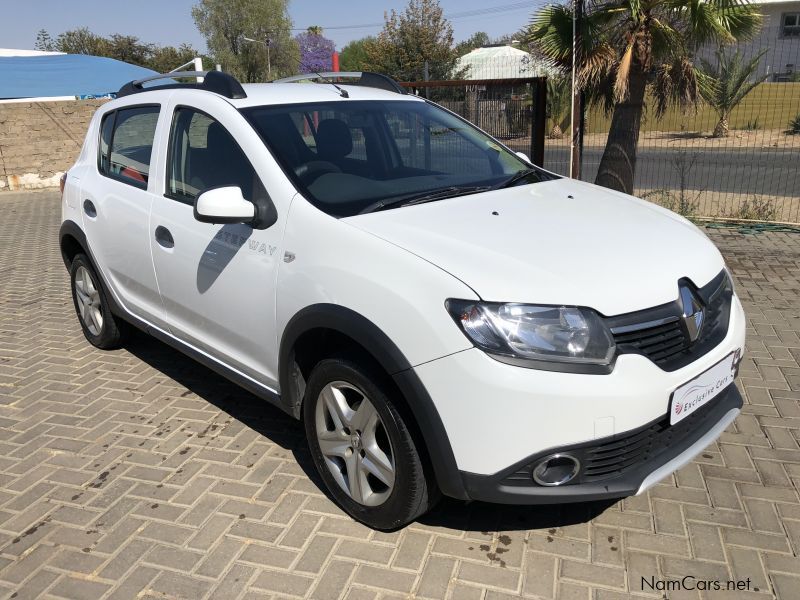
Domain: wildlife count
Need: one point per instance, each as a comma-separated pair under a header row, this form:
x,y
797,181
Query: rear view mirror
x,y
524,157
223,205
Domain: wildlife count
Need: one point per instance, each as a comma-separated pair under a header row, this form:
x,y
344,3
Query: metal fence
x,y
753,173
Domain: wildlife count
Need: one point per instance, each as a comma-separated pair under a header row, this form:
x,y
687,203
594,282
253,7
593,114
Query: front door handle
x,y
89,209
164,237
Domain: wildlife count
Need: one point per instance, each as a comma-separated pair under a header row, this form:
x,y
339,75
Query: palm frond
x,y
623,74
725,84
675,83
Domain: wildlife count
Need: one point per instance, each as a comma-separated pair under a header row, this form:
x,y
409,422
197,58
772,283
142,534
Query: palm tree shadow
x,y
275,425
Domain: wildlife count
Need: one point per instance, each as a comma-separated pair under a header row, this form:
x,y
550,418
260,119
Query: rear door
x,y
116,196
217,281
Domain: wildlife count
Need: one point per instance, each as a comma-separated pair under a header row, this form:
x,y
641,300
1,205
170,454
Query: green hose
x,y
750,228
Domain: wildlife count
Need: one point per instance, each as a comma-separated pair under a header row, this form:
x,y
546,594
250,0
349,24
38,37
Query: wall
x,y
40,140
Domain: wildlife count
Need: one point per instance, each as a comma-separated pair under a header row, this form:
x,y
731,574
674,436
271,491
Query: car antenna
x,y
342,92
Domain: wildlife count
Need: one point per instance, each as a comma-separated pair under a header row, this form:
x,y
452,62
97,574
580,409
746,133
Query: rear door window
x,y
126,144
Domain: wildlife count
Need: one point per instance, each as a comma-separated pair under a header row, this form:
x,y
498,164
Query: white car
x,y
443,316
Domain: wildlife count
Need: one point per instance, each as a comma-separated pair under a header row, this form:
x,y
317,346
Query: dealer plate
x,y
703,388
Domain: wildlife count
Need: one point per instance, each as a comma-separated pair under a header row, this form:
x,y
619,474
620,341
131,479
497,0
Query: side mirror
x,y
524,157
223,205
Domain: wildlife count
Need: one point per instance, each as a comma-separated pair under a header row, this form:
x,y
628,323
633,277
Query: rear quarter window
x,y
126,144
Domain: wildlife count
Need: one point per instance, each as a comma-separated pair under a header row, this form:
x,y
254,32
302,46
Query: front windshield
x,y
351,157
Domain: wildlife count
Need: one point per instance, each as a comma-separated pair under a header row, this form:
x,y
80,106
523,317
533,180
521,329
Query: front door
x,y
217,281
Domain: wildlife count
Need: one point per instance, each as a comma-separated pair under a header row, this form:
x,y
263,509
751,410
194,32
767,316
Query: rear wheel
x,y
100,326
362,446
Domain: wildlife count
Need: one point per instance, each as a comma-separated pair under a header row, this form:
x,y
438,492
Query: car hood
x,y
555,242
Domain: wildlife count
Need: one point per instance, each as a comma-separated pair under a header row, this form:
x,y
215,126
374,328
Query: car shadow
x,y
259,415
272,423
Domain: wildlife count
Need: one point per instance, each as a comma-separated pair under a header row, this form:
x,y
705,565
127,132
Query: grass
x,y
773,104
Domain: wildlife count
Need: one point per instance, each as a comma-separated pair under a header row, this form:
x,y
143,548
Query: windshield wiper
x,y
515,178
421,198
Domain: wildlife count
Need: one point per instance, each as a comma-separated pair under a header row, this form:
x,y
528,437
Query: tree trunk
x,y
721,130
618,164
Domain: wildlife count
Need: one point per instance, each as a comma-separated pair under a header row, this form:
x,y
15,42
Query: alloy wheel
x,y
354,443
88,300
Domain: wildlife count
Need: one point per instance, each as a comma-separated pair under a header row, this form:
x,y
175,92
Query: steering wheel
x,y
313,169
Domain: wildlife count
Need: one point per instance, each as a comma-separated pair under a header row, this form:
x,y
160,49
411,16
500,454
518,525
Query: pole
x,y
269,62
335,62
539,121
576,115
198,66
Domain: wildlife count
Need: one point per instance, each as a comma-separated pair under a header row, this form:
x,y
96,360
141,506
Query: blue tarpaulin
x,y
64,75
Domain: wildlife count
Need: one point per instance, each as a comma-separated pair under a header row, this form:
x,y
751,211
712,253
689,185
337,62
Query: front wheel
x,y
362,446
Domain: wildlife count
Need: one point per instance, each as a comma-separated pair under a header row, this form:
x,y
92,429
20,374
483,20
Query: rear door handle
x,y
164,237
89,209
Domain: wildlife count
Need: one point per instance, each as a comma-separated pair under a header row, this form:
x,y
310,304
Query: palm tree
x,y
629,46
724,85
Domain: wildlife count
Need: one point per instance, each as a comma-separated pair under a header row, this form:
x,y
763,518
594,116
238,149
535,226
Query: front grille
x,y
604,460
659,333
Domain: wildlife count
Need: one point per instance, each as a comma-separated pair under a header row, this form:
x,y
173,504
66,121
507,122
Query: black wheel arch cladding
x,y
384,351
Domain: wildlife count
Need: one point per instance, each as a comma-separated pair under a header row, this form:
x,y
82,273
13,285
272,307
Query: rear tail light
x,y
61,183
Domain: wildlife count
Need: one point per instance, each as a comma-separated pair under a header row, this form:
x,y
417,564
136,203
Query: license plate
x,y
703,388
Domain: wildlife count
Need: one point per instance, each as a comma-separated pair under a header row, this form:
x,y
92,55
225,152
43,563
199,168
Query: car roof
x,y
266,94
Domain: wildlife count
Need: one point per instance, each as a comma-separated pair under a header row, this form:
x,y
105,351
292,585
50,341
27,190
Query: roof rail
x,y
363,78
213,81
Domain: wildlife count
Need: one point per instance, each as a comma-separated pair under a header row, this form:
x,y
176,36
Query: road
x,y
747,171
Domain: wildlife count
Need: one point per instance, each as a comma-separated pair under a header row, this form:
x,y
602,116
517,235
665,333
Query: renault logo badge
x,y
693,314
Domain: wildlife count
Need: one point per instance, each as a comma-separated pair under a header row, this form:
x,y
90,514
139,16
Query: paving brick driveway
x,y
140,473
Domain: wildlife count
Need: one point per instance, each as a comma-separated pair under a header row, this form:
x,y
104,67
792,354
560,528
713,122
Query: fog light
x,y
556,469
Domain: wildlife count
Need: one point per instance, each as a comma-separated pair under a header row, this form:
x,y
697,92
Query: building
x,y
779,39
500,62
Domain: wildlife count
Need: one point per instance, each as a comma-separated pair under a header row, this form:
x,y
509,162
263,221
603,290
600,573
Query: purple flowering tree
x,y
316,51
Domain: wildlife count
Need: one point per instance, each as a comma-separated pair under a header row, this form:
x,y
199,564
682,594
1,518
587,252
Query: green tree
x,y
724,85
408,39
82,41
629,46
225,24
44,41
476,40
166,58
126,48
353,56
129,49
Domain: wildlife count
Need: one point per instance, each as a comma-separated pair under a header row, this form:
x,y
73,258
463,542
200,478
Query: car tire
x,y
101,328
368,459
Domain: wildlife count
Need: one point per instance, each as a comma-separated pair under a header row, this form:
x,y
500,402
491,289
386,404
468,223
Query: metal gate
x,y
511,110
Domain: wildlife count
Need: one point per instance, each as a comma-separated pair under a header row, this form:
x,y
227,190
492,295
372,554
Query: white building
x,y
779,36
500,62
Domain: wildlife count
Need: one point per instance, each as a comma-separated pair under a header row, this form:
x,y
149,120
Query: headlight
x,y
731,283
557,334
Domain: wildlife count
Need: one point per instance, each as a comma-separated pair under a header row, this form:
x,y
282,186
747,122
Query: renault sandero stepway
x,y
441,315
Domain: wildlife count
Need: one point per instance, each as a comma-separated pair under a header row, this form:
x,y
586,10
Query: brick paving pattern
x,y
138,473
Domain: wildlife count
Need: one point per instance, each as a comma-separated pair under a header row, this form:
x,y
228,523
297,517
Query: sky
x,y
169,22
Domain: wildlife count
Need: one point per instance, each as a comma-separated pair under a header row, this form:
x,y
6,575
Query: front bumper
x,y
496,416
636,460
